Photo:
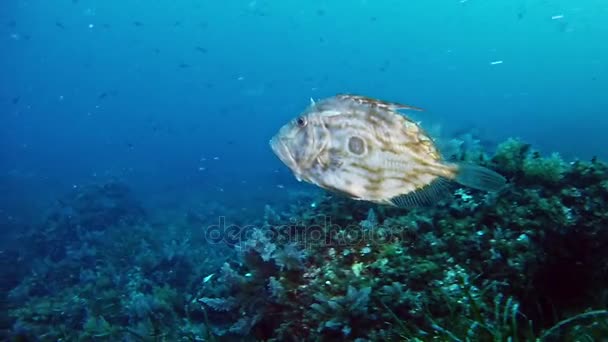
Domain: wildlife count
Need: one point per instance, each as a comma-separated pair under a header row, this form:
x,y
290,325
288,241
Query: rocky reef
x,y
528,263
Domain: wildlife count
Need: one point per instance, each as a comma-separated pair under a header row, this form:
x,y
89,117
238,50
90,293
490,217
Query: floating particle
x,y
496,62
559,16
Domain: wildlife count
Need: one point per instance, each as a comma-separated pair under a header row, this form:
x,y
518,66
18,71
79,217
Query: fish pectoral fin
x,y
427,195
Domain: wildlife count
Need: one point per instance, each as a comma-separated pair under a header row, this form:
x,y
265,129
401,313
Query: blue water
x,y
143,90
178,99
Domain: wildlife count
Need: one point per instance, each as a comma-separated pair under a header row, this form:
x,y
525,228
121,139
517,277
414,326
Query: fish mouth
x,y
281,150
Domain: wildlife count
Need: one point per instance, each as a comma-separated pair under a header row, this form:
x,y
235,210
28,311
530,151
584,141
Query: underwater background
x,y
133,131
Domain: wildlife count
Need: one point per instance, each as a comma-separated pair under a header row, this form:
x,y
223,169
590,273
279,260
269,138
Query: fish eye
x,y
301,121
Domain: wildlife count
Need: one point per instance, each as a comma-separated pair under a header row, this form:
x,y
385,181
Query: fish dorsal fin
x,y
427,195
364,100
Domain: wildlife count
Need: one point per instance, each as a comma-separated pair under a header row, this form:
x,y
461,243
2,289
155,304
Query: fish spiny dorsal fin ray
x,y
375,103
429,194
479,177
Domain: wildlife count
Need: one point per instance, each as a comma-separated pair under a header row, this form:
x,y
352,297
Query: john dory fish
x,y
364,148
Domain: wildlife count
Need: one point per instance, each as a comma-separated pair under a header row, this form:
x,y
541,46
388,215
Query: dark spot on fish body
x,y
356,145
15,100
320,12
138,24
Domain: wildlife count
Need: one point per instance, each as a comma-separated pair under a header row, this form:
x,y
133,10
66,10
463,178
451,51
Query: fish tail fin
x,y
479,177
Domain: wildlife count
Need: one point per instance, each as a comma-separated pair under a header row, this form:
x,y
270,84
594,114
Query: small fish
x,y
367,150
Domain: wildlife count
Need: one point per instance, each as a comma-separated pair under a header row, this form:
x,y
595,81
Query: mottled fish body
x,y
366,149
